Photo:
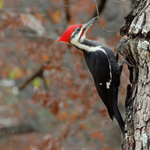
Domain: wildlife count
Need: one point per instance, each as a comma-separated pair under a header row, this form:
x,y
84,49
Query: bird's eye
x,y
78,29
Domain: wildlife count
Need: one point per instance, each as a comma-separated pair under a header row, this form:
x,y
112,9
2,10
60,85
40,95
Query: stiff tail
x,y
118,117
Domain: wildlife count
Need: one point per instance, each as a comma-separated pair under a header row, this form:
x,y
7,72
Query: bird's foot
x,y
119,46
127,62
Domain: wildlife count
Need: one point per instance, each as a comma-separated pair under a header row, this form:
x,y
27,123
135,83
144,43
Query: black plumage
x,y
104,69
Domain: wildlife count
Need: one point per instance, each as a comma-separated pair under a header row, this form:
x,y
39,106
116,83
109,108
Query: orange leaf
x,y
65,116
107,148
101,136
58,116
83,127
45,57
23,18
48,67
96,135
38,16
74,117
62,116
66,105
75,95
56,16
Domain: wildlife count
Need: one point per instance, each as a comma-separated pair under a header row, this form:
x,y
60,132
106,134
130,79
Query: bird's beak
x,y
88,24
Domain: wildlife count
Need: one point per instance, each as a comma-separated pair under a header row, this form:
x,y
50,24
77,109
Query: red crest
x,y
67,34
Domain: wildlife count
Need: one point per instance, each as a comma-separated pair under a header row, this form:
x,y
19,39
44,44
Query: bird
x,y
103,65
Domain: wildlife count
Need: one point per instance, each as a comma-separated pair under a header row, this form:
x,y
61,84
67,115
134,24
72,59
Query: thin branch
x,y
18,129
100,8
97,9
122,2
98,14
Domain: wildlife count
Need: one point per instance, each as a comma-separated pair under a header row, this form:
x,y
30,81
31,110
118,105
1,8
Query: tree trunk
x,y
136,50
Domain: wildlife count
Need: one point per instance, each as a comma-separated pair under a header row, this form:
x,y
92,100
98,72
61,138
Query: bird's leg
x,y
127,62
124,58
117,53
119,46
124,61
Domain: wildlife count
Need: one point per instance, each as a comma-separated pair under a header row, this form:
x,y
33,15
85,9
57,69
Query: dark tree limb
x,y
20,129
38,73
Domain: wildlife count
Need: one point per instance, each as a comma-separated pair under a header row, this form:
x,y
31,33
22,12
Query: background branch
x,y
101,6
17,129
38,73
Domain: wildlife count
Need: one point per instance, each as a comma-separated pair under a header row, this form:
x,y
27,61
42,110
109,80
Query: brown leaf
x,y
55,108
83,127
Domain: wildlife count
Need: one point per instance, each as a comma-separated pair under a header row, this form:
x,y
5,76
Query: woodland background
x,y
47,97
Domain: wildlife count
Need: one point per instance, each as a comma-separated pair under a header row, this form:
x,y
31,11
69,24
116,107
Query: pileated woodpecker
x,y
102,64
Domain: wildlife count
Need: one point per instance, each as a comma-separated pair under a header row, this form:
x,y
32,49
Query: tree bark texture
x,y
136,51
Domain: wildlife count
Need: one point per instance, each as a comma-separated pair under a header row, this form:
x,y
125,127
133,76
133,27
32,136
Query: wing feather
x,y
101,71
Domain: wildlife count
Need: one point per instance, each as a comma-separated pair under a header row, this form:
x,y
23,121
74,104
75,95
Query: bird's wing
x,y
101,72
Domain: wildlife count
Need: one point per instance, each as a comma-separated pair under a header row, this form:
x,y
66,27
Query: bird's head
x,y
77,33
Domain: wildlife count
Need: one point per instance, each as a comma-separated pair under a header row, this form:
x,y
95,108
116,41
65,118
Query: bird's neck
x,y
87,46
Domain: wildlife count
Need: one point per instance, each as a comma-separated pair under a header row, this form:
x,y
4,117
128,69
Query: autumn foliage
x,y
47,86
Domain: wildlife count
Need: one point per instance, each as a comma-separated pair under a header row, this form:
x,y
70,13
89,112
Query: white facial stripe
x,y
77,36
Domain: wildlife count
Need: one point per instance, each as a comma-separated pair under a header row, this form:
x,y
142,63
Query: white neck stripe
x,y
88,48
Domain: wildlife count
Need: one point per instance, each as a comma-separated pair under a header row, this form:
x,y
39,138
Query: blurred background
x,y
47,97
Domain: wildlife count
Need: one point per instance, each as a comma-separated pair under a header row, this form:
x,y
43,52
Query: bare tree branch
x,y
100,8
97,10
38,73
18,129
120,2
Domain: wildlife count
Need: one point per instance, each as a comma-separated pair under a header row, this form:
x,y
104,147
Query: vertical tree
x,y
136,50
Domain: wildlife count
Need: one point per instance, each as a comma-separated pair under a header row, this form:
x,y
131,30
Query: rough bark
x,y
136,50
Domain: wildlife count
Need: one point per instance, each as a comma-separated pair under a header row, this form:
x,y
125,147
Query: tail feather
x,y
111,113
117,114
118,117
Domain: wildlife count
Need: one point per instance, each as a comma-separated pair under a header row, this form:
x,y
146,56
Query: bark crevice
x,y
136,51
